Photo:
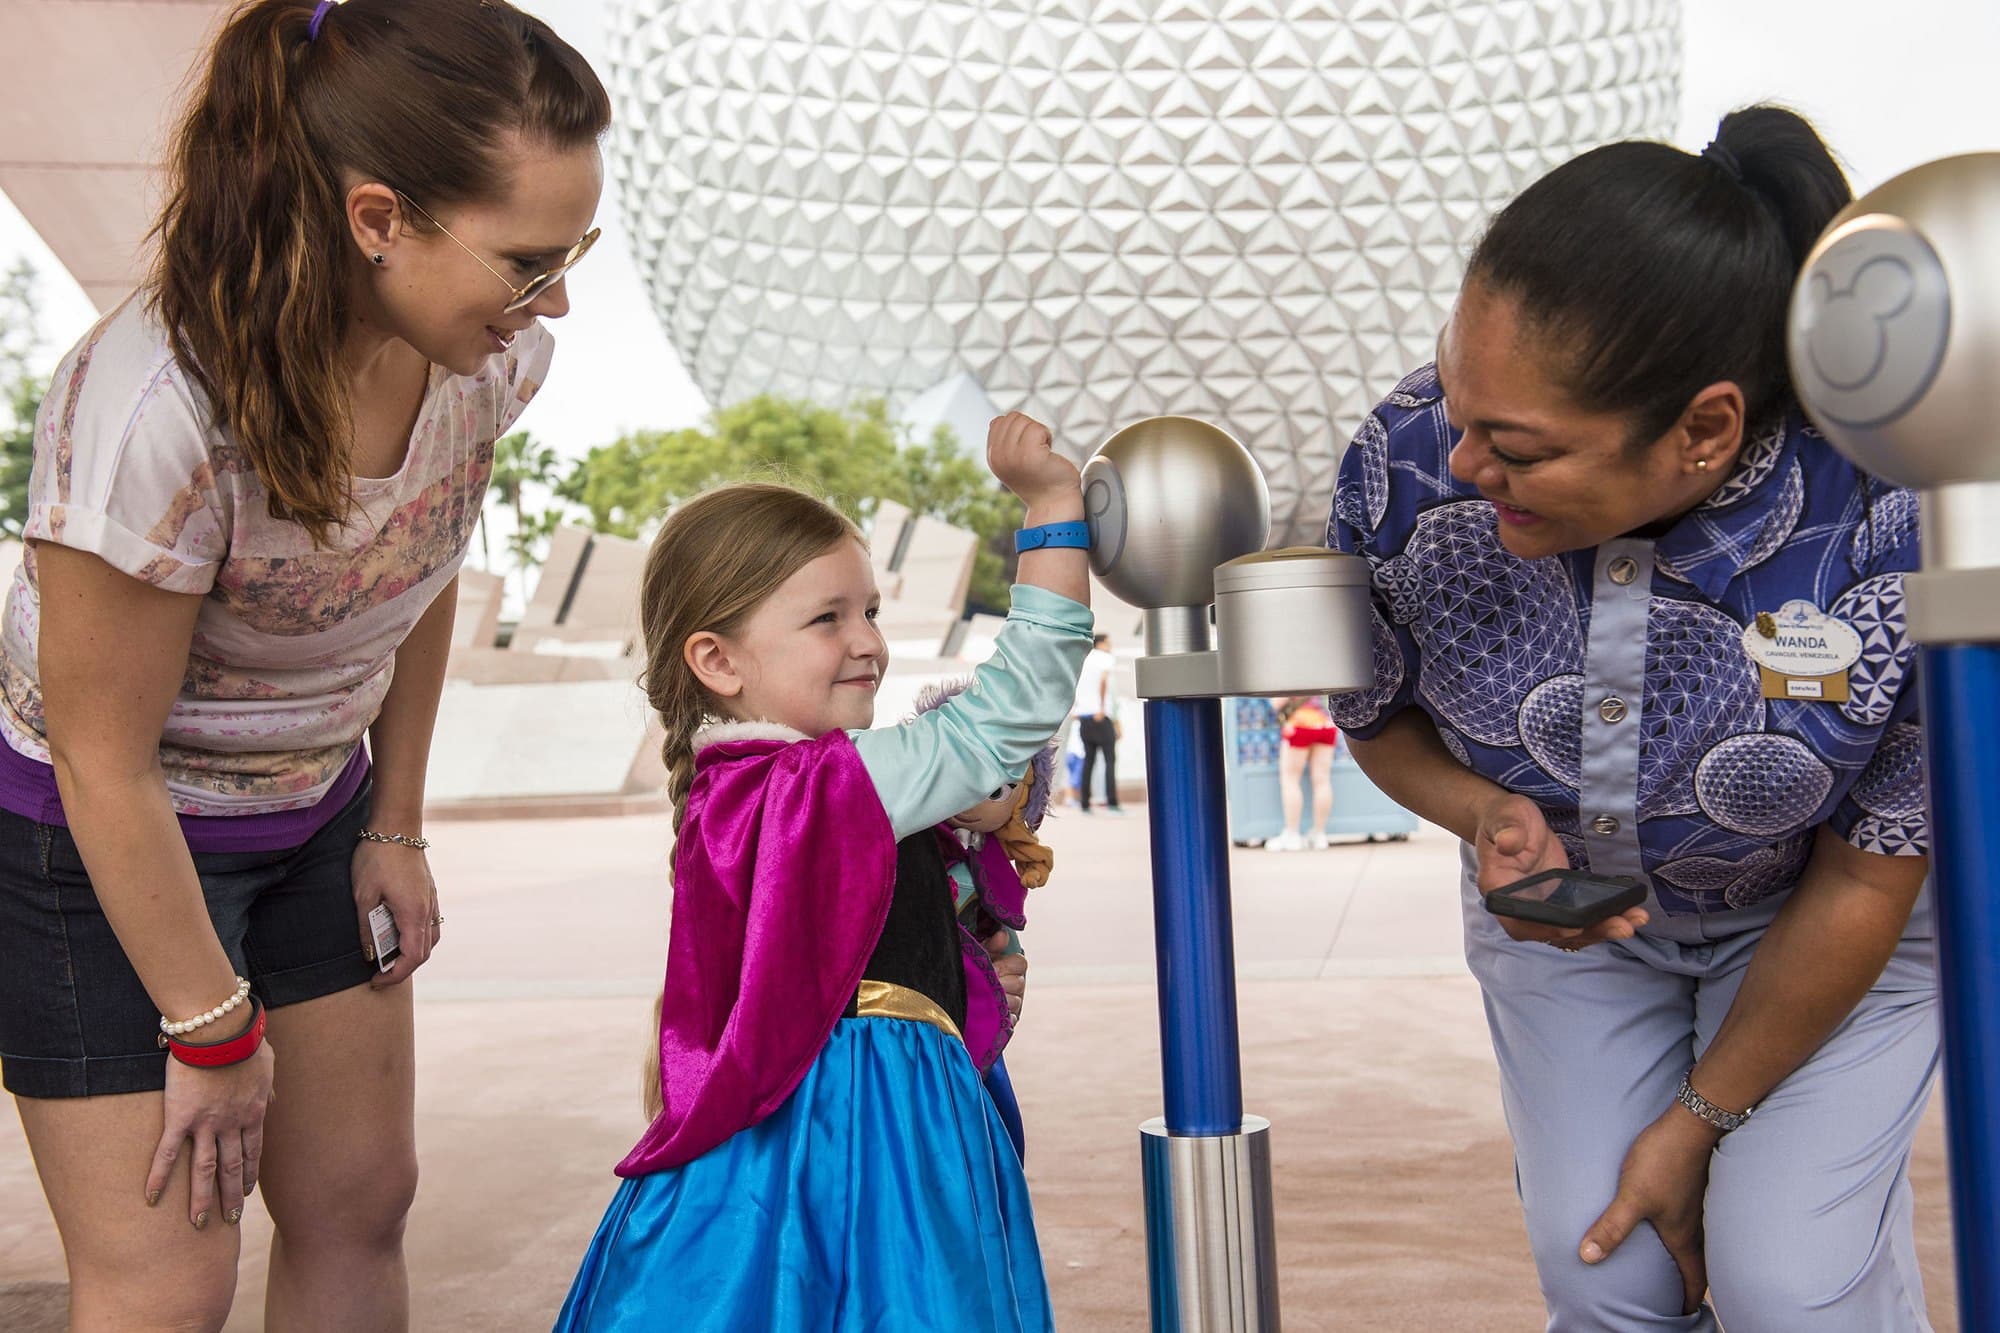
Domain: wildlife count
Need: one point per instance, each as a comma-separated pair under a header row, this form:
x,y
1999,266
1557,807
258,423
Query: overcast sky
x,y
1889,85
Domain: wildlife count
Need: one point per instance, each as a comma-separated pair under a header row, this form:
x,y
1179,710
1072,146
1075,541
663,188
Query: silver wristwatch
x,y
1725,1121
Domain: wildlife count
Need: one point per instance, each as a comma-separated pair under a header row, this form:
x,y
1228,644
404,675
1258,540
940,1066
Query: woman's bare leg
x,y
1321,757
1291,767
340,1162
132,1268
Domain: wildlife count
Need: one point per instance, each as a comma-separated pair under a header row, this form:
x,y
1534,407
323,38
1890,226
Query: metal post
x,y
1193,938
1961,705
1210,1254
1169,499
1894,333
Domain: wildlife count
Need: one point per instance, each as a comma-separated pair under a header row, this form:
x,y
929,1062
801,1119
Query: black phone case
x,y
1631,894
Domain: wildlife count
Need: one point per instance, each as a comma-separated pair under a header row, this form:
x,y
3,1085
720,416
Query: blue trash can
x,y
1250,741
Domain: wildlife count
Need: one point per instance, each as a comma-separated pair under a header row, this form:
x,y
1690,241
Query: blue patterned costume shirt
x,y
1731,786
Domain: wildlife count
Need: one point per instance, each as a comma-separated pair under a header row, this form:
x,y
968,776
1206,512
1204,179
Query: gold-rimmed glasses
x,y
525,294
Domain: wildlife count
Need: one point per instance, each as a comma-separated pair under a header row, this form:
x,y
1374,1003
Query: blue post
x,y
1961,705
1194,943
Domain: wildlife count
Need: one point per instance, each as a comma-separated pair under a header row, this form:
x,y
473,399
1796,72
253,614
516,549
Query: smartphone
x,y
1568,898
382,926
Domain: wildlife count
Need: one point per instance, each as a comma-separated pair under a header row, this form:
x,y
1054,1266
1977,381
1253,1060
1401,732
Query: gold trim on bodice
x,y
885,999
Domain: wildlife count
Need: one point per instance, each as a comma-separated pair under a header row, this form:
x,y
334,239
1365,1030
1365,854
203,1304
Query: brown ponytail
x,y
714,562
249,278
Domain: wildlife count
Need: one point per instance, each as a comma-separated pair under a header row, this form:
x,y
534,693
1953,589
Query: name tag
x,y
1802,653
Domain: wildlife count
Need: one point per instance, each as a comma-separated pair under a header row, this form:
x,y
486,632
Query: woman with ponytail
x,y
1635,617
254,483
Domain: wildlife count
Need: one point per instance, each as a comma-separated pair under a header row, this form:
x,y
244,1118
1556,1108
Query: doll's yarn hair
x,y
1041,769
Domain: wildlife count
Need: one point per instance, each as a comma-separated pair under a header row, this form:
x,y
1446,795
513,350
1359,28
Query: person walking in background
x,y
253,486
1308,737
1097,723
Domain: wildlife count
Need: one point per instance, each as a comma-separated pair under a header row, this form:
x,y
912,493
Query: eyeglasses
x,y
524,295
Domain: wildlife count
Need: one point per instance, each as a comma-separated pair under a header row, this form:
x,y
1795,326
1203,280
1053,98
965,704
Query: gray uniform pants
x,y
1808,1215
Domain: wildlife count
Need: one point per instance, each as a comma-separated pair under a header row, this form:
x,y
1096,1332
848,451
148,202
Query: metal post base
x,y
1211,1252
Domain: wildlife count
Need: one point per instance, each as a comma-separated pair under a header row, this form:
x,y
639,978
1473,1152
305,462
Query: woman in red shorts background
x,y
1309,736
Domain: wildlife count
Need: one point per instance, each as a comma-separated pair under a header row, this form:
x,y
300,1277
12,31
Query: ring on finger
x,y
437,919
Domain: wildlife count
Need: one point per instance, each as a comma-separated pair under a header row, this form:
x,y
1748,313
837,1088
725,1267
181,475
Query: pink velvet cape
x,y
782,876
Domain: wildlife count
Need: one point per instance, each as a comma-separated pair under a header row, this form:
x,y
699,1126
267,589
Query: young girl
x,y
823,1156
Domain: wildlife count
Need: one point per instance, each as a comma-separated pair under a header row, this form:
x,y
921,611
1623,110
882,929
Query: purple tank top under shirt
x,y
28,789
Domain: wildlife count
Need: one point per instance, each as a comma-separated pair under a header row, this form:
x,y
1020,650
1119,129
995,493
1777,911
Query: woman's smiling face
x,y
1560,477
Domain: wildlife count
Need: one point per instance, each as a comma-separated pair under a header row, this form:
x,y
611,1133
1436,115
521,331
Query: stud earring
x,y
1701,464
378,257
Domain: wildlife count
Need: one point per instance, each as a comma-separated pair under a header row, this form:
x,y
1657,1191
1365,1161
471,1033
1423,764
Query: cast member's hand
x,y
1012,969
1664,1181
1021,453
401,877
1513,843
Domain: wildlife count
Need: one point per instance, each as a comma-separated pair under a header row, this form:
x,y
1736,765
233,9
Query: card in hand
x,y
387,943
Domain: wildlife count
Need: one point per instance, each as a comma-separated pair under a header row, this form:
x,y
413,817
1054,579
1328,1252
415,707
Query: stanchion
x,y
1895,336
1170,499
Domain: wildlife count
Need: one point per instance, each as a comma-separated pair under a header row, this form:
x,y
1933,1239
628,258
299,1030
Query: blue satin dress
x,y
841,1211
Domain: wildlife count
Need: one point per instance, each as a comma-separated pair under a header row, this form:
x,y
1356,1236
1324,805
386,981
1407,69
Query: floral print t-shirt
x,y
295,645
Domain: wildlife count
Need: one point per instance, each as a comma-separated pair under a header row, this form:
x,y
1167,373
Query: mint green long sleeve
x,y
929,769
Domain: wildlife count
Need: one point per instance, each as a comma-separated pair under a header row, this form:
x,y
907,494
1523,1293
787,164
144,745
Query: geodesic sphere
x,y
1252,212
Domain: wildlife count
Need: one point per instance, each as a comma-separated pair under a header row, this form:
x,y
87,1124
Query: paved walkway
x,y
1363,1041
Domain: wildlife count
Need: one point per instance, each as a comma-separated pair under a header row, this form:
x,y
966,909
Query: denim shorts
x,y
75,1020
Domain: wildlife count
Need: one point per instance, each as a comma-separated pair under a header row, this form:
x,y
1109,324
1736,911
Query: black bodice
x,y
919,947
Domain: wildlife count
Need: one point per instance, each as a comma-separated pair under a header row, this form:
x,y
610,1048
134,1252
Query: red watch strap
x,y
214,1055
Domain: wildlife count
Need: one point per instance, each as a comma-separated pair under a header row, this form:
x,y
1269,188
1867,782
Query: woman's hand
x,y
217,1116
1514,842
401,877
1664,1181
1011,968
1021,453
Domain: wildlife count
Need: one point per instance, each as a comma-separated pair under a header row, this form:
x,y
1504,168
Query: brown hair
x,y
250,275
716,560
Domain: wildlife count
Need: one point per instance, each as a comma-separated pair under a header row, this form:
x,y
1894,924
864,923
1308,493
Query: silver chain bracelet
x,y
1725,1121
370,835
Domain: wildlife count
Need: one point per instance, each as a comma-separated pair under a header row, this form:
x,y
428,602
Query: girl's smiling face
x,y
809,657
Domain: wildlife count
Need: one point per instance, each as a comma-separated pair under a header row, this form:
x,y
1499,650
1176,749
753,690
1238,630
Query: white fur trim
x,y
716,733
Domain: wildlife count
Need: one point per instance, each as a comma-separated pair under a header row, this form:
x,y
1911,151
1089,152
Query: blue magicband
x,y
1053,534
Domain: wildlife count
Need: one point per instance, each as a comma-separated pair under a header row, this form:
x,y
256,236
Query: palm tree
x,y
520,461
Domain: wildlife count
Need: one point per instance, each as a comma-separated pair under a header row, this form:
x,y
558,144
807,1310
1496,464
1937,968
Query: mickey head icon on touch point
x,y
1852,347
1905,387
1870,324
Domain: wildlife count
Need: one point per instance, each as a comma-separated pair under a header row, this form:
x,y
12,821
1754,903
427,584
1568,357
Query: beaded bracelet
x,y
228,1006
216,1054
401,840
